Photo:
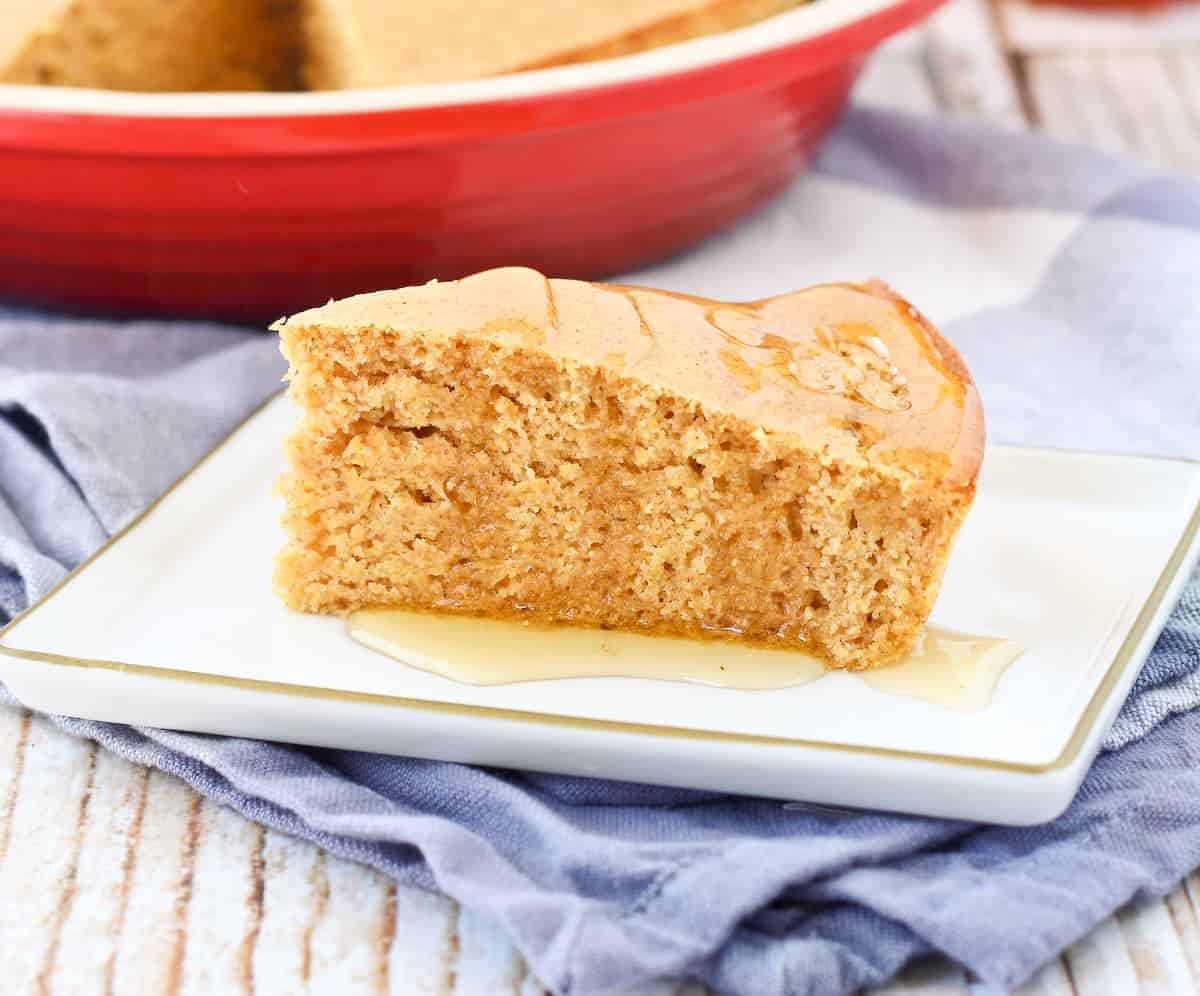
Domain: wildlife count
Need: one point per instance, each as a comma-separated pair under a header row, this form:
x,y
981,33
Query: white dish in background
x,y
1077,557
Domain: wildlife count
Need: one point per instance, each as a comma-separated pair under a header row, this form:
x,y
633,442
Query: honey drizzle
x,y
747,376
955,670
551,307
914,392
645,326
856,347
668,344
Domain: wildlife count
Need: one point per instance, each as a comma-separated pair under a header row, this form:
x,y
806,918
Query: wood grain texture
x,y
1052,979
1139,103
87,944
1185,919
477,967
152,937
42,854
970,66
343,945
1156,950
223,911
117,880
292,901
14,737
1032,27
896,83
1101,964
897,76
425,951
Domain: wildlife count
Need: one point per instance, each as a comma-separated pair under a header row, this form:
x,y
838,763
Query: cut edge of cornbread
x,y
463,471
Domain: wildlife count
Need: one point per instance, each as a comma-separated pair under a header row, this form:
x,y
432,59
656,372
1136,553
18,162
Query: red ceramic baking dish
x,y
248,206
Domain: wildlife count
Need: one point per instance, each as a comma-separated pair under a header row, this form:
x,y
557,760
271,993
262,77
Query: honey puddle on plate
x,y
955,670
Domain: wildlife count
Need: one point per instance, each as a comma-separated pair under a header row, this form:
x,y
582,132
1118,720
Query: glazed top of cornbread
x,y
852,370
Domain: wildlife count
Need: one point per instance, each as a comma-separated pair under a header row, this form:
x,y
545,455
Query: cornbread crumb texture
x,y
362,43
793,469
333,44
138,45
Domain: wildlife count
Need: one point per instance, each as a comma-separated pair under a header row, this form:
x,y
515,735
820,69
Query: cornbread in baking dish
x,y
334,44
365,43
162,45
791,470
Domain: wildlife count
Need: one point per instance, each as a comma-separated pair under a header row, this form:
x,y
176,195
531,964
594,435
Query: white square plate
x,y
1077,557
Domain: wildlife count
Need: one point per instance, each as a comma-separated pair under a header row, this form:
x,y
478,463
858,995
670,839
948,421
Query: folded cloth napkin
x,y
1067,279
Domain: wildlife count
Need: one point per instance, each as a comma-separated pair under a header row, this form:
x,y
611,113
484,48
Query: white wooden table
x,y
118,880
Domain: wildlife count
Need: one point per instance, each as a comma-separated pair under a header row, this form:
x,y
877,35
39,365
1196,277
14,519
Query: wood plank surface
x,y
1183,905
970,67
1139,102
96,912
117,880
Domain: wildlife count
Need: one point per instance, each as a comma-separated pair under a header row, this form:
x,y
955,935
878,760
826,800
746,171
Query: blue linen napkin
x,y
1069,281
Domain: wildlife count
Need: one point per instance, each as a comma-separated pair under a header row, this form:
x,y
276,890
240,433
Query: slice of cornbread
x,y
160,45
364,43
793,469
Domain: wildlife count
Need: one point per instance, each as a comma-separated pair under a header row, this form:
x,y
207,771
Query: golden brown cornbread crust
x,y
354,43
181,45
173,45
522,464
967,456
